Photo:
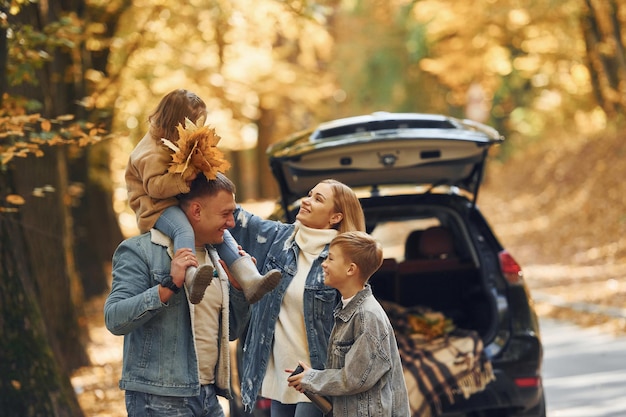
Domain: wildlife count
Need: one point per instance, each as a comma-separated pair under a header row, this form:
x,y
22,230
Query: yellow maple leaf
x,y
196,149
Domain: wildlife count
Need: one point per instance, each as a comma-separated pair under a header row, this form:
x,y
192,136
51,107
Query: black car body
x,y
415,174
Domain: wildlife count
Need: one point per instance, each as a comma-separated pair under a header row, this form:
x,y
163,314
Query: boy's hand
x,y
295,379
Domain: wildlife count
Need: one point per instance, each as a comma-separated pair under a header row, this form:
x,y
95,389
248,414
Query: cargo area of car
x,y
457,293
434,269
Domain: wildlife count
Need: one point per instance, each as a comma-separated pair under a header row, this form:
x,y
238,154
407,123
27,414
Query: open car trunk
x,y
437,268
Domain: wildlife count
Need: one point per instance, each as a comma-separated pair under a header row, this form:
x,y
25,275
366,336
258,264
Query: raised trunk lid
x,y
384,149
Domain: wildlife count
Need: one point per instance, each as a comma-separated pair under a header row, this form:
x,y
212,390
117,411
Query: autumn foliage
x,y
196,151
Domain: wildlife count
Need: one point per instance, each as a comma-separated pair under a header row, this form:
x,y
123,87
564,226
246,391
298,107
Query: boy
x,y
363,374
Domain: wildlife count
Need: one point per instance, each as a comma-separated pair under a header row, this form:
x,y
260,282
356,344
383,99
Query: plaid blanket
x,y
445,366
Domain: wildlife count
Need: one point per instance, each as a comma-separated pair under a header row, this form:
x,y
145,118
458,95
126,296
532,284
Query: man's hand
x,y
183,259
232,280
244,253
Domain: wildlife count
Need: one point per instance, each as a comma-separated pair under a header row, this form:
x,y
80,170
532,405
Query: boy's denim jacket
x,y
363,374
159,350
272,243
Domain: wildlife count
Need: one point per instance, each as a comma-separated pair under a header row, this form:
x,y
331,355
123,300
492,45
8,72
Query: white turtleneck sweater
x,y
290,341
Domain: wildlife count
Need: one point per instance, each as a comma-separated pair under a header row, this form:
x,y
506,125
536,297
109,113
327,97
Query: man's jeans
x,y
279,409
139,404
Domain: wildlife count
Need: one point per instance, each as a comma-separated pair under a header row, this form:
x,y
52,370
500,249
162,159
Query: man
x,y
175,353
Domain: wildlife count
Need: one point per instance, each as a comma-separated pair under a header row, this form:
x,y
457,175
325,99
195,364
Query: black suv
x,y
417,177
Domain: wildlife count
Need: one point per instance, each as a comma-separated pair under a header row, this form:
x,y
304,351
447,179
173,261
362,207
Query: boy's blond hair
x,y
362,249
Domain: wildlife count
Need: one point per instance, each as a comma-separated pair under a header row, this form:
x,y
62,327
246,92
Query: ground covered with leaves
x,y
559,208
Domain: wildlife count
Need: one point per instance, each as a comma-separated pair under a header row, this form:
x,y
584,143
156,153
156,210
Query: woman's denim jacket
x,y
273,245
159,350
363,374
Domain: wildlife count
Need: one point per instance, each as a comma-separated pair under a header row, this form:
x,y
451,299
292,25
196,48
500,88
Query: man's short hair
x,y
203,187
362,249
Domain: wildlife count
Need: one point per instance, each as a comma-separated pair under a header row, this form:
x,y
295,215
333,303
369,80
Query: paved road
x,y
584,371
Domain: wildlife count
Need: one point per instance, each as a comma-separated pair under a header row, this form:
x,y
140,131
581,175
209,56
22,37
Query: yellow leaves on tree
x,y
196,150
12,199
23,135
15,199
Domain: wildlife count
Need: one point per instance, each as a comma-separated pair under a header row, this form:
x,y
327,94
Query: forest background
x,y
79,77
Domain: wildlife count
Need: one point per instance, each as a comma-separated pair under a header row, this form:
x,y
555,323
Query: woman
x,y
293,321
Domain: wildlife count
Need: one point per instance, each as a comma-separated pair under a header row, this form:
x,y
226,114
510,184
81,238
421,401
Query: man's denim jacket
x,y
363,374
159,350
272,244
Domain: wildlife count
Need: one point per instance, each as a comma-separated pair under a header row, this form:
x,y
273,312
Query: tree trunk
x,y
97,232
49,248
605,54
48,234
32,383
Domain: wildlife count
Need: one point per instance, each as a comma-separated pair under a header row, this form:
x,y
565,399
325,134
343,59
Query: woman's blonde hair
x,y
172,111
346,203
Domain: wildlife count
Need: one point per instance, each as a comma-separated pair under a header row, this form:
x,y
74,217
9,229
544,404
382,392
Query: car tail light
x,y
510,268
532,382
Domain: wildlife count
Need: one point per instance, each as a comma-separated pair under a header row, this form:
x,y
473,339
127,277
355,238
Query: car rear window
x,y
377,125
393,235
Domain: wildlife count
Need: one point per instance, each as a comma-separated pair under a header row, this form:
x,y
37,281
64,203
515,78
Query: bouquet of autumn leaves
x,y
429,324
196,149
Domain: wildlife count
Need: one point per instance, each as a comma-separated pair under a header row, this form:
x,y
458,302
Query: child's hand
x,y
295,381
189,175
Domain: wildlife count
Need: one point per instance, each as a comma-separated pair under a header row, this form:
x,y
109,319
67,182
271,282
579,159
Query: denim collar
x,y
346,313
159,238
